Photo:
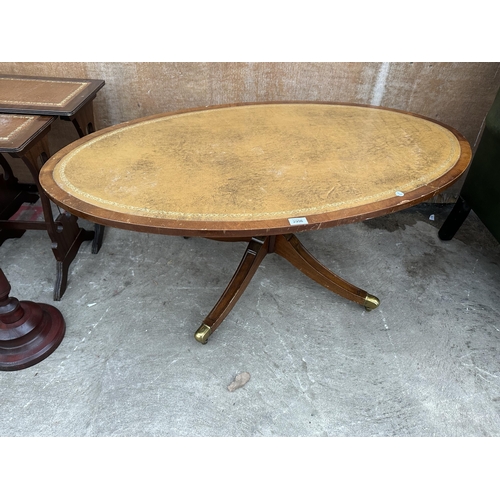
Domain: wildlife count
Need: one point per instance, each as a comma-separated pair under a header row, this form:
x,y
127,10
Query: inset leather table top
x,y
18,131
45,96
255,168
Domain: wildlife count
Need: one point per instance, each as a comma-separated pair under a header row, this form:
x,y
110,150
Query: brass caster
x,y
203,333
371,302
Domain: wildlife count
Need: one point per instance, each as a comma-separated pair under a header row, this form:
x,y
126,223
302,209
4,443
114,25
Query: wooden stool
x,y
68,98
25,137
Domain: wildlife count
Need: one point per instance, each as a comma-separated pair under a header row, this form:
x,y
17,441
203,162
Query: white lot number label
x,y
297,221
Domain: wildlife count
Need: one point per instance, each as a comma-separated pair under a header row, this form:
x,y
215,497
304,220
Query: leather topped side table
x,y
16,134
25,137
67,98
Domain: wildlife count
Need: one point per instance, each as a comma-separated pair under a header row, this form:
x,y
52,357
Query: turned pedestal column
x,y
29,331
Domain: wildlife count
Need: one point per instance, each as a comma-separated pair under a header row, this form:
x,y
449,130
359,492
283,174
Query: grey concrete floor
x,y
425,363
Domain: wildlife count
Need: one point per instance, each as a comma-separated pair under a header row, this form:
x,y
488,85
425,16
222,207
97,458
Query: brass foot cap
x,y
371,302
203,333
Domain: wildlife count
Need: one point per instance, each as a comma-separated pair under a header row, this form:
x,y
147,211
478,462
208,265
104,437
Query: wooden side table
x,y
68,98
25,137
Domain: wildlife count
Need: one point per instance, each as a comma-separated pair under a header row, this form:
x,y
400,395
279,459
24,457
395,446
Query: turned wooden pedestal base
x,y
29,331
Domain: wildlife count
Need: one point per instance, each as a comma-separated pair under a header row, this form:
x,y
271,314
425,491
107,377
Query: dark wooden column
x,y
29,331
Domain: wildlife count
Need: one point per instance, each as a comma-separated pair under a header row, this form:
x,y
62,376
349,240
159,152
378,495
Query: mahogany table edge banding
x,y
263,236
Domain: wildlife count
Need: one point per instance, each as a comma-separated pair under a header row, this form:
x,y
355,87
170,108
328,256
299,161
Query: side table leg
x,y
64,232
68,240
257,249
11,198
98,236
83,121
291,249
455,219
29,331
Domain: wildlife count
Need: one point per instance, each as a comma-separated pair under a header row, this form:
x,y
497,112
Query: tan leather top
x,y
257,162
38,92
44,95
17,131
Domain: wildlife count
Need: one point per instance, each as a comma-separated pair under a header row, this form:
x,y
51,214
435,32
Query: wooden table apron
x,y
258,172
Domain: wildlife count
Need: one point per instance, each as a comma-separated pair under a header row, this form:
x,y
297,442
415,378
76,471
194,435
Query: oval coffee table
x,y
260,173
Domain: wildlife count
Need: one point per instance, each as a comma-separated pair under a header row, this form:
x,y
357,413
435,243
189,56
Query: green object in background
x,y
481,189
